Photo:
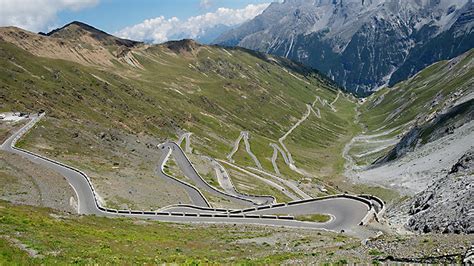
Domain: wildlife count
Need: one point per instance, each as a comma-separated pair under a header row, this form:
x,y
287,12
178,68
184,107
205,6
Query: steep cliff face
x,y
447,44
362,44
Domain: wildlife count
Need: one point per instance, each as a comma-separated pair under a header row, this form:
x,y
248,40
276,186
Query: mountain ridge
x,y
70,44
96,96
75,29
263,123
73,43
360,44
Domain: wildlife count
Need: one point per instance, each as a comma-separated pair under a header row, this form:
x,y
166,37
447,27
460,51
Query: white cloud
x,y
37,15
205,4
161,29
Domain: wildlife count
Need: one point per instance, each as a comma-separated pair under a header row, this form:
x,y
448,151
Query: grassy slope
x,y
59,238
141,104
31,236
416,95
414,101
211,92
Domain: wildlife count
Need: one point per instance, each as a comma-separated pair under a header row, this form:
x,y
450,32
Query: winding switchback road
x,y
269,182
288,158
186,136
245,136
347,211
189,171
87,201
287,183
226,183
277,149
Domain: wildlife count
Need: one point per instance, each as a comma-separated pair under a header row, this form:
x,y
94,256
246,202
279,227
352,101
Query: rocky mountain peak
x,y
362,44
75,26
183,46
76,30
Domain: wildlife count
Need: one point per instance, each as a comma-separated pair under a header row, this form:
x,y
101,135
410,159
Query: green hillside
x,y
107,120
32,235
391,112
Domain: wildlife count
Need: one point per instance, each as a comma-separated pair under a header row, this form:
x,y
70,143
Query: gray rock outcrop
x,y
360,44
447,206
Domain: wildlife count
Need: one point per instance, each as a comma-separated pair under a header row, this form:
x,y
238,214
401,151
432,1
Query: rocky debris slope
x,y
23,182
447,205
416,170
469,257
442,125
427,249
361,44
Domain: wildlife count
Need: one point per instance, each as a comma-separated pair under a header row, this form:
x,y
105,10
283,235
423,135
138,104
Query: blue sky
x,y
113,15
152,21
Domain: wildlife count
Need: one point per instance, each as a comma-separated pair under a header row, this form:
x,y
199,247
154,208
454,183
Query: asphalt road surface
x,y
189,171
346,212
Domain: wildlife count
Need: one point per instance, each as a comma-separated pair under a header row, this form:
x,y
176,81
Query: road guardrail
x,y
367,199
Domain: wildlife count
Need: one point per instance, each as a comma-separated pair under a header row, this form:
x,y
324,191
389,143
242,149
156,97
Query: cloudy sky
x,y
146,20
